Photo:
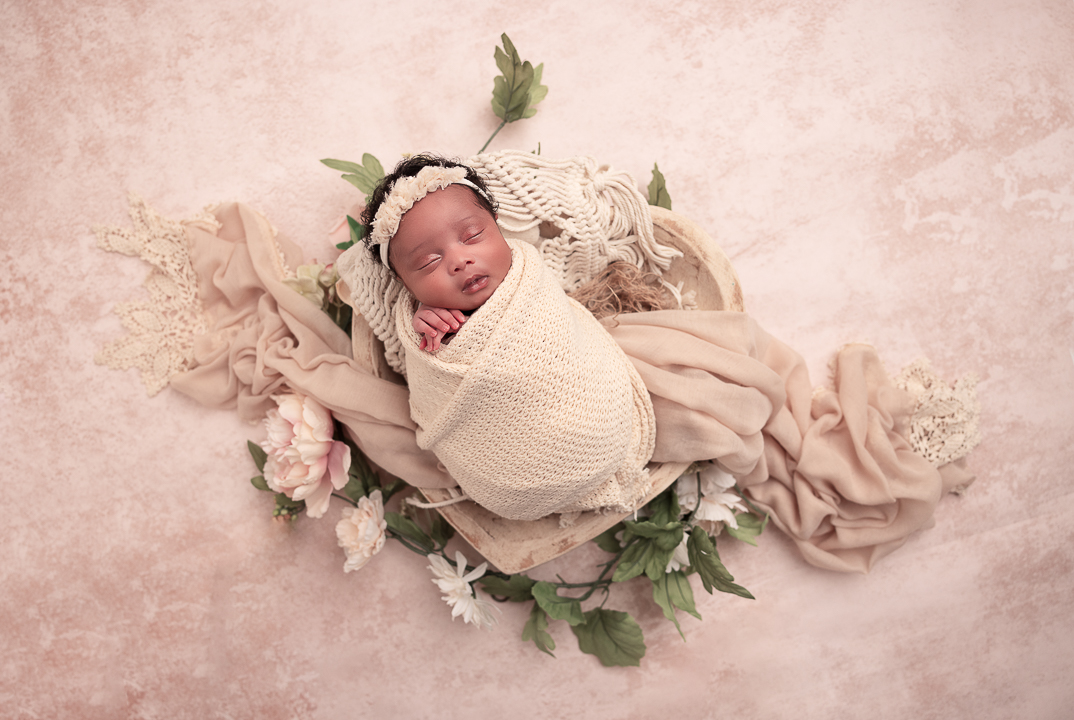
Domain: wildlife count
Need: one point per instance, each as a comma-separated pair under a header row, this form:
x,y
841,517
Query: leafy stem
x,y
494,133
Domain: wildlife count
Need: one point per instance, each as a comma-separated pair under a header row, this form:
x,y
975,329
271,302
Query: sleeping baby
x,y
521,394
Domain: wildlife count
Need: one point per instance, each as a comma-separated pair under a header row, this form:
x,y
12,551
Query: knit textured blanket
x,y
532,407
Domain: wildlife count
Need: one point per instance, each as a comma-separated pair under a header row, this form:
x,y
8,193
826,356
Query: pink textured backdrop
x,y
898,172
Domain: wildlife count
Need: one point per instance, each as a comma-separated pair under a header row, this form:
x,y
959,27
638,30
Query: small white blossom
x,y
680,558
717,505
454,582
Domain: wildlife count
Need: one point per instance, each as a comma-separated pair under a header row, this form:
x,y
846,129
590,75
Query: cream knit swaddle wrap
x,y
532,407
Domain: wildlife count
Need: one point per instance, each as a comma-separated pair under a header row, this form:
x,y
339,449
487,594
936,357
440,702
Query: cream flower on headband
x,y
404,193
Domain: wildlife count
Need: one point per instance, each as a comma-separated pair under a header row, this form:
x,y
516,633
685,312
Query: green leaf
x,y
635,560
440,529
259,483
558,608
706,561
673,591
258,454
536,629
516,588
606,540
613,636
537,90
658,190
749,527
373,166
664,508
364,177
360,469
388,490
343,165
358,231
518,88
354,489
409,529
666,536
650,552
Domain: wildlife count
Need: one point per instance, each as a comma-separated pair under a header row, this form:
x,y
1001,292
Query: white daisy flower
x,y
454,582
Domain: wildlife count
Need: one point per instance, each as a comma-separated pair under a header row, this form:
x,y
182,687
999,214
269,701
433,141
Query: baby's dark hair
x,y
411,166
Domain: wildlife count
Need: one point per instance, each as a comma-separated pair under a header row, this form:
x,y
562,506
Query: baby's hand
x,y
434,323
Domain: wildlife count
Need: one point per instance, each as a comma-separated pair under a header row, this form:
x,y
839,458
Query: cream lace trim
x,y
161,329
945,424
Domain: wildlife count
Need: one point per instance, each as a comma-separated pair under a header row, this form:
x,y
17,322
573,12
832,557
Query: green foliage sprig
x,y
639,549
365,177
515,92
517,89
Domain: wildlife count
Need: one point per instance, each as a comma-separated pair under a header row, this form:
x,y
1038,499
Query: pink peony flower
x,y
361,531
304,462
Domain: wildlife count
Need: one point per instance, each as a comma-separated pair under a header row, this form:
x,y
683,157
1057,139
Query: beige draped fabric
x,y
833,467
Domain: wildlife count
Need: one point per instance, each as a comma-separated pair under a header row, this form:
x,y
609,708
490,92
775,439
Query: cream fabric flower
x,y
454,582
361,532
304,462
405,192
717,504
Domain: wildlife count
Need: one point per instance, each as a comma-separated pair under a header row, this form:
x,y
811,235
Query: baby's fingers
x,y
448,317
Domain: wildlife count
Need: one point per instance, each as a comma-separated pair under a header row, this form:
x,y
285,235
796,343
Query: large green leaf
x,y
516,588
664,508
518,88
673,591
258,454
536,629
613,636
364,177
557,607
637,557
706,561
658,190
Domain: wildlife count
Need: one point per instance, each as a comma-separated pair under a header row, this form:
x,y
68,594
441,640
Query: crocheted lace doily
x,y
945,423
161,329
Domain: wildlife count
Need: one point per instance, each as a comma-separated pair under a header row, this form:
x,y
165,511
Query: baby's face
x,y
449,252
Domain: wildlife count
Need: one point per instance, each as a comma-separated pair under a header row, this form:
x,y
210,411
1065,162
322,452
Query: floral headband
x,y
404,193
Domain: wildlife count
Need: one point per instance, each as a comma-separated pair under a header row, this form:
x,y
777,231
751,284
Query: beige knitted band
x,y
404,193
